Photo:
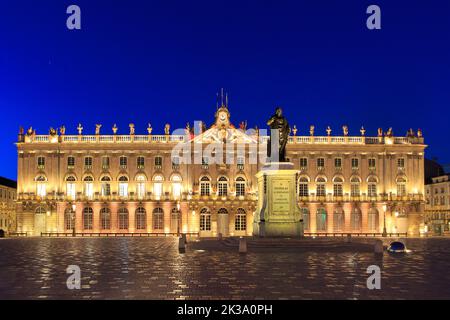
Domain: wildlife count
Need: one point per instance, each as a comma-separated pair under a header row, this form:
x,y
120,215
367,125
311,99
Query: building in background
x,y
437,206
8,191
133,184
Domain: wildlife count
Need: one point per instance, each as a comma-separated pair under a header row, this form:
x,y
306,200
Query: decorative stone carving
x,y
419,133
167,129
114,129
62,130
294,130
149,129
80,129
311,130
345,130
52,132
363,131
97,129
380,132
328,131
131,125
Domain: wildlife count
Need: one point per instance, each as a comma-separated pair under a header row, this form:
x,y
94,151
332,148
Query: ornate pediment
x,y
229,135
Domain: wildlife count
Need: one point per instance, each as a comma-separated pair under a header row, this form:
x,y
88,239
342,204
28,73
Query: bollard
x,y
378,247
242,245
348,239
181,244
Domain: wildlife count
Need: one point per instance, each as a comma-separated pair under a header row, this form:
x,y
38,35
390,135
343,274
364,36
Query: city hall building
x,y
120,184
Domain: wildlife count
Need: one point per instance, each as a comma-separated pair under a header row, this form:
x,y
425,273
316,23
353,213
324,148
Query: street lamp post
x,y
178,218
384,221
73,219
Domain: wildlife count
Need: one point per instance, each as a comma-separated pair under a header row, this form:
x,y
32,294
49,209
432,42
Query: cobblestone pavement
x,y
152,268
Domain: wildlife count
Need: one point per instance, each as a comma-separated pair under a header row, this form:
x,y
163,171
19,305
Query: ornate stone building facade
x,y
437,206
8,189
139,184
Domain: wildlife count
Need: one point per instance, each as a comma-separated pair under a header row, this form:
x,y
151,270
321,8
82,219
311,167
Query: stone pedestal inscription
x,y
280,196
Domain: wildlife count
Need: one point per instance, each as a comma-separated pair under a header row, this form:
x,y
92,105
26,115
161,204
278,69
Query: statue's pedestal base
x,y
277,213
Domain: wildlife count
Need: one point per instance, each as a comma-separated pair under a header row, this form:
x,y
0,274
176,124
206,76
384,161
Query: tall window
x,y
320,163
320,186
106,186
205,163
303,163
123,186
338,220
41,163
240,220
401,163
158,219
70,187
240,187
240,163
306,219
105,163
141,219
338,163
373,219
158,186
158,162
401,187
176,187
337,187
105,219
41,186
303,190
205,220
222,186
123,162
140,162
356,219
355,163
123,218
69,219
372,163
87,218
88,187
372,187
140,186
87,163
205,186
70,162
355,187
321,219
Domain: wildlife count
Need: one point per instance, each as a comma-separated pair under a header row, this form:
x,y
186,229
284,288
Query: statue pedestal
x,y
277,213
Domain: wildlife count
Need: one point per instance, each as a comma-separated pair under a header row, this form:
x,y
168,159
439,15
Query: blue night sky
x,y
163,61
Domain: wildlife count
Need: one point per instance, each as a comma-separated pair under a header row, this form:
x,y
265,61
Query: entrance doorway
x,y
222,222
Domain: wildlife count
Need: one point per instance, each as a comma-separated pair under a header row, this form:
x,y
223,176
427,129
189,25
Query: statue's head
x,y
278,112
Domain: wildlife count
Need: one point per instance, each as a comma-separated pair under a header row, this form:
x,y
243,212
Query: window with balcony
x,y
240,223
88,186
355,184
176,187
372,187
123,186
70,162
222,186
205,186
337,187
106,186
205,220
158,187
71,187
240,187
303,189
123,162
140,163
88,163
41,163
320,187
41,186
140,186
401,187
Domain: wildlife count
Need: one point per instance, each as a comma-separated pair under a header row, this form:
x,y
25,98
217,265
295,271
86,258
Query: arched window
x,y
337,187
222,211
355,187
105,219
303,190
158,219
372,187
222,186
41,186
106,186
158,186
40,210
205,220
240,187
87,218
123,218
141,219
356,219
123,186
70,187
140,186
69,219
373,219
176,187
205,186
321,219
401,187
240,223
306,218
338,220
320,185
88,186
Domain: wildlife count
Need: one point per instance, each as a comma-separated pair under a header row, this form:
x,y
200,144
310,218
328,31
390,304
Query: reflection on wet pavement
x,y
143,268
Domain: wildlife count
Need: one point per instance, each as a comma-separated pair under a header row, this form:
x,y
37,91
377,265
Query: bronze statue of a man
x,y
281,126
